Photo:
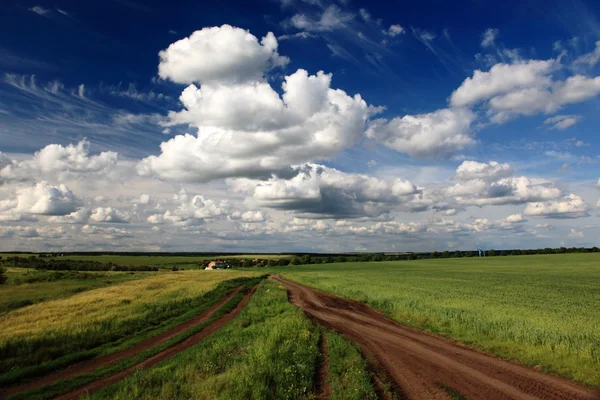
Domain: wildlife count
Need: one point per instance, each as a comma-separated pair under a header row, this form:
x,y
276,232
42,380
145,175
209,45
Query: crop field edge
x,y
67,385
21,375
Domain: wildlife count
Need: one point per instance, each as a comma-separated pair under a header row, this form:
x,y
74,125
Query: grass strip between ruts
x,y
67,385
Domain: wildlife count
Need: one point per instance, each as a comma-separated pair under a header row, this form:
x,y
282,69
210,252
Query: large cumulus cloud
x,y
58,162
41,199
442,132
219,54
320,191
248,130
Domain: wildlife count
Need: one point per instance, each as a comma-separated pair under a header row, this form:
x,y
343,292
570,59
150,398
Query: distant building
x,y
217,264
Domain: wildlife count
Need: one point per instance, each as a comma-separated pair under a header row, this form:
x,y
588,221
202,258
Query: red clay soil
x,y
171,351
421,365
95,363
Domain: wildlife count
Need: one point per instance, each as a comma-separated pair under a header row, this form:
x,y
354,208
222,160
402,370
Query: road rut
x,y
423,365
163,355
95,363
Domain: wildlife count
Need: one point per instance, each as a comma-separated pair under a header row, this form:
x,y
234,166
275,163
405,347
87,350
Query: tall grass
x,y
26,287
43,332
268,352
347,375
542,310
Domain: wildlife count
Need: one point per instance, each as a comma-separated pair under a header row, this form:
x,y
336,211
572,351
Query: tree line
x,y
70,265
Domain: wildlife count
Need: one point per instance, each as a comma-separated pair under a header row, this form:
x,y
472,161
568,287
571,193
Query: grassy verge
x,y
269,351
26,287
178,315
540,310
67,385
347,376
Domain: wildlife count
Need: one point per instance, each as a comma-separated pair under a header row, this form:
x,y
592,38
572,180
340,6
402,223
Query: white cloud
x,y
562,122
510,190
575,234
80,216
493,170
332,18
572,206
365,15
442,132
501,79
395,30
145,198
319,191
190,210
489,37
59,162
219,54
524,88
589,59
40,10
249,216
423,36
108,214
515,218
249,130
298,35
107,232
534,100
41,199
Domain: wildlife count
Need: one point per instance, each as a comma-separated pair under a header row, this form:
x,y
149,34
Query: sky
x,y
299,125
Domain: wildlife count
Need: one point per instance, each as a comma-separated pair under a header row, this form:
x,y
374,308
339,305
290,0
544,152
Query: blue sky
x,y
140,125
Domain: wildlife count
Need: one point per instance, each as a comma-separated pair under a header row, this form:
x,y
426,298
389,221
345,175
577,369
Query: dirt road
x,y
95,363
424,366
171,351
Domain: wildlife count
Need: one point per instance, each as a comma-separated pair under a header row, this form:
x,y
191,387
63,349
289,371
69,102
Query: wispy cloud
x,y
488,38
43,112
39,10
562,122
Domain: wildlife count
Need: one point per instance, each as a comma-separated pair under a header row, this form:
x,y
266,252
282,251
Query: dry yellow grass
x,y
121,301
92,315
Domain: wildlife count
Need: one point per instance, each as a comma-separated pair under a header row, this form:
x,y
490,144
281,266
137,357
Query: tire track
x,y
420,363
93,364
163,355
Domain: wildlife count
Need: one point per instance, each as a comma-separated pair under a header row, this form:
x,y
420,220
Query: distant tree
x,y
435,254
595,249
503,253
492,253
284,262
377,257
305,259
366,257
446,254
458,254
3,277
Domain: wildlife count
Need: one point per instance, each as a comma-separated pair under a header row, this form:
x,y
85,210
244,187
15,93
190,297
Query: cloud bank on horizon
x,y
329,130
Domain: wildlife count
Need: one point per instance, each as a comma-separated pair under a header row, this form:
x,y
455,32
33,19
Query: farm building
x,y
217,264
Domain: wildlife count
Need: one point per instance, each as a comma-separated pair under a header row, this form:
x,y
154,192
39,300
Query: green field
x,y
542,310
268,352
99,321
26,286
